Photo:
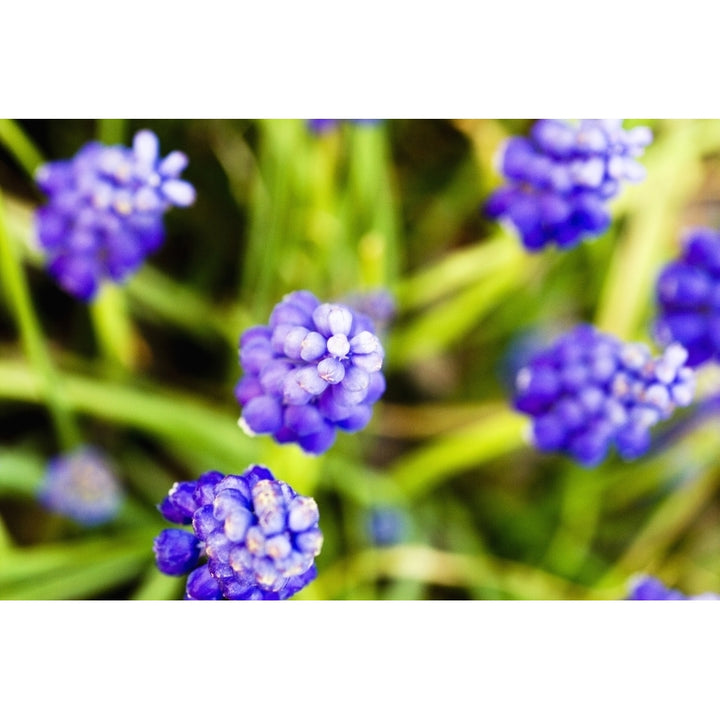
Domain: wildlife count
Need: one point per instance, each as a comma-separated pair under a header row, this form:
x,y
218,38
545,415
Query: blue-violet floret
x,y
313,370
560,178
387,525
379,305
322,127
590,391
82,486
105,209
688,298
646,587
248,537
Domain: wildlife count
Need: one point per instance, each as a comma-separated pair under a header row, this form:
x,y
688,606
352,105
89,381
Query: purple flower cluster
x,y
314,369
387,525
260,538
688,297
590,391
105,209
379,305
561,177
646,587
320,127
80,485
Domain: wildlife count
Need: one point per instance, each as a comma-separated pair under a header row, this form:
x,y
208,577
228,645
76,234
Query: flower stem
x,y
113,327
111,132
699,413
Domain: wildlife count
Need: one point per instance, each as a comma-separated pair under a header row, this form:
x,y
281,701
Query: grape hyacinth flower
x,y
81,486
386,525
259,538
561,177
321,127
379,305
105,210
313,370
688,297
589,391
645,587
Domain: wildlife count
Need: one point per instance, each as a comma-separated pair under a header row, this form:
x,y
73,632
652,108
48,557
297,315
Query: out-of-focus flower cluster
x,y
259,537
590,391
387,525
688,296
561,177
320,127
314,369
379,305
646,587
105,209
81,485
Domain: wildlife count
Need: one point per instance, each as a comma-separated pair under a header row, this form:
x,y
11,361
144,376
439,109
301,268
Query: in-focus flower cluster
x,y
590,391
259,537
645,587
105,209
80,485
688,297
561,177
314,369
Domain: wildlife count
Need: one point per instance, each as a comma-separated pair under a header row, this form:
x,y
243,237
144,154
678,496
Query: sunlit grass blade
x,y
496,433
665,526
184,420
457,270
20,472
78,572
18,295
20,146
439,328
431,566
114,330
371,206
271,223
156,586
652,231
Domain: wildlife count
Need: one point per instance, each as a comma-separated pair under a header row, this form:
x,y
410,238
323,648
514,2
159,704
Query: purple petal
x,y
263,414
179,192
201,585
173,164
331,370
365,343
145,147
313,346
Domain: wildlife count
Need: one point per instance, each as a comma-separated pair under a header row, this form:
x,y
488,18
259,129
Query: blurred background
x,y
441,497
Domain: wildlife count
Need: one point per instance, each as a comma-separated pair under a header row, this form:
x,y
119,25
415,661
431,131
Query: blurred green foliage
x,y
147,371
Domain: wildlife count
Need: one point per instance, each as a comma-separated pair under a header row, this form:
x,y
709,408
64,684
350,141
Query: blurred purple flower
x,y
379,305
646,587
320,127
561,177
688,296
80,485
386,525
105,209
590,391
